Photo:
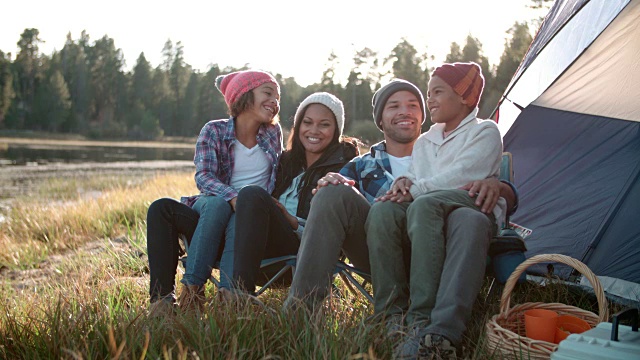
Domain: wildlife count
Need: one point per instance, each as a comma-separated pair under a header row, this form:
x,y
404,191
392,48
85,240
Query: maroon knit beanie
x,y
465,78
235,84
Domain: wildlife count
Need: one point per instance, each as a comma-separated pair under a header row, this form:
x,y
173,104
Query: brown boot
x,y
192,298
161,310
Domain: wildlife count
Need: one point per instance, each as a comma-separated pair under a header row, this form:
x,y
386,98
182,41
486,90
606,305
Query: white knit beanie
x,y
333,103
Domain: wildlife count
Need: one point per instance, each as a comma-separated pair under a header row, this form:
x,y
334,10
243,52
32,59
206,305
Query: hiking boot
x,y
161,310
192,298
434,346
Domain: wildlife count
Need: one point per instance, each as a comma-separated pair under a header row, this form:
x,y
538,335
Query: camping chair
x,y
506,249
277,272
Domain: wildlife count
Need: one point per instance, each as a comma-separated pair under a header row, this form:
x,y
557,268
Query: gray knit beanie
x,y
331,101
384,93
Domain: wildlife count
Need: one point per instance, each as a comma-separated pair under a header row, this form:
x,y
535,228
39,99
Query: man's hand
x,y
399,197
232,202
332,178
399,192
486,192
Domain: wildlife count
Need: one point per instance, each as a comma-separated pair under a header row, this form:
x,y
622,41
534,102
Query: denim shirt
x,y
214,157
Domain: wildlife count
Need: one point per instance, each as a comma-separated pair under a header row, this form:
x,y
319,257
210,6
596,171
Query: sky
x,y
289,37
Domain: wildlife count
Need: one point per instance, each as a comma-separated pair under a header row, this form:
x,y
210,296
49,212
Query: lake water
x,y
48,153
25,164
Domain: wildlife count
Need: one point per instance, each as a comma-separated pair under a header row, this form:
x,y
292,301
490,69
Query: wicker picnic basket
x,y
505,331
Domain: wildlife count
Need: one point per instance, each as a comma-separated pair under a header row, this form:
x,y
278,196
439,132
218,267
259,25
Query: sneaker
x,y
434,346
409,347
192,298
394,325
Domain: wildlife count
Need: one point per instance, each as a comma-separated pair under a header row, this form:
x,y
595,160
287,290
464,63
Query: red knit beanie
x,y
465,78
235,84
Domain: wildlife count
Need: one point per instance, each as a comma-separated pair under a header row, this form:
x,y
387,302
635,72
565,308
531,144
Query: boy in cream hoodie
x,y
433,299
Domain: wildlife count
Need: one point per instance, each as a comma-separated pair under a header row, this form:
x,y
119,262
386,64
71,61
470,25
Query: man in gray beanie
x,y
336,221
382,95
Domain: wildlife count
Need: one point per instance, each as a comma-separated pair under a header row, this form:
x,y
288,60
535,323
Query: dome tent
x,y
571,119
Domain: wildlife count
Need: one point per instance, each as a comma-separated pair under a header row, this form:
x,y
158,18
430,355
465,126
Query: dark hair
x,y
294,160
244,103
295,145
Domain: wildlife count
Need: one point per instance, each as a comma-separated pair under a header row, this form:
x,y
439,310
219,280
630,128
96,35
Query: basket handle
x,y
505,300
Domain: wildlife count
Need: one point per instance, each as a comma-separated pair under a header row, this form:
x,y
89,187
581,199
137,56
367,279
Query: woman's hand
x,y
293,221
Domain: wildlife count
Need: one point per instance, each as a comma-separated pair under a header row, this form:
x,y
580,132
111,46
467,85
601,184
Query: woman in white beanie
x,y
270,225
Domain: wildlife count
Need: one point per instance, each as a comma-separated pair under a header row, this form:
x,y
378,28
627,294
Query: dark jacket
x,y
332,160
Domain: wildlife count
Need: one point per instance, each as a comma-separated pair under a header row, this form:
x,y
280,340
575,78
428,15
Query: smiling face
x,y
401,119
317,130
445,105
266,102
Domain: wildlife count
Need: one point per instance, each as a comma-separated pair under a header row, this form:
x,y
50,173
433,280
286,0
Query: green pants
x,y
408,246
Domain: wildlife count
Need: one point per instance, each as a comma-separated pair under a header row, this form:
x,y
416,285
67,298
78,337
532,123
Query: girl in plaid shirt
x,y
230,153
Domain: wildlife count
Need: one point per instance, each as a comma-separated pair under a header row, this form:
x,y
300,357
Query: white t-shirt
x,y
251,167
399,165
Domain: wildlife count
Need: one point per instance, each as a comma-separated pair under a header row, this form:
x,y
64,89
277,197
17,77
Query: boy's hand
x,y
332,178
486,192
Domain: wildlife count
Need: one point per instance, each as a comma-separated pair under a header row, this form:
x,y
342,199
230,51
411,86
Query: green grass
x,y
75,286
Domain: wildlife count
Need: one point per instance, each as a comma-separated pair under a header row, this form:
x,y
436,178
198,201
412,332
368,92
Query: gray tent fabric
x,y
571,119
577,176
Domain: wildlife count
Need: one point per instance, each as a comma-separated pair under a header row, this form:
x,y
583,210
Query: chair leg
x,y
274,278
354,282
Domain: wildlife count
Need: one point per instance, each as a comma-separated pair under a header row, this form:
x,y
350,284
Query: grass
x,y
75,282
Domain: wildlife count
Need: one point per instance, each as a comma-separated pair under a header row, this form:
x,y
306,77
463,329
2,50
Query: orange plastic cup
x,y
568,324
541,324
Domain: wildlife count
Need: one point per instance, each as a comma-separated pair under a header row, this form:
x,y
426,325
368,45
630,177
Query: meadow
x,y
75,282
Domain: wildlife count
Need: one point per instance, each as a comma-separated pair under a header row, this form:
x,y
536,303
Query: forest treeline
x,y
84,87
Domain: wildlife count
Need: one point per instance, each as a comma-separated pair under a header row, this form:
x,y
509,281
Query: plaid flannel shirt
x,y
371,172
214,157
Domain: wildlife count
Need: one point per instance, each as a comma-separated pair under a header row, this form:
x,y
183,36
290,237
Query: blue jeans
x,y
215,229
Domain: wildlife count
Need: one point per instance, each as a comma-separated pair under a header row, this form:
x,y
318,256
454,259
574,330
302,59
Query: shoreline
x,y
25,180
49,143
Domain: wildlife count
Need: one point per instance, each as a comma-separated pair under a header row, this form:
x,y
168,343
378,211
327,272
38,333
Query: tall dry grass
x,y
57,218
75,286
